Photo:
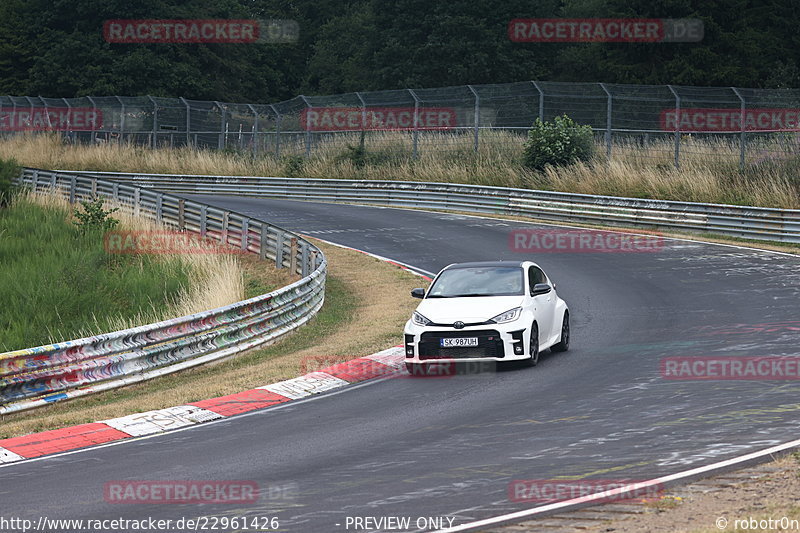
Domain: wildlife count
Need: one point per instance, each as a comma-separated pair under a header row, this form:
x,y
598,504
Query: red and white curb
x,y
381,364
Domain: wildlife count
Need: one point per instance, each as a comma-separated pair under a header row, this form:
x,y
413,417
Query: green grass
x,y
57,283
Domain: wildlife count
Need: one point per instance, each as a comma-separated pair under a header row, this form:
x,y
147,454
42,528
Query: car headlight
x,y
508,316
419,319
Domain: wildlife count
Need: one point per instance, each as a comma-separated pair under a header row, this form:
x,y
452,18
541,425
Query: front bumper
x,y
496,342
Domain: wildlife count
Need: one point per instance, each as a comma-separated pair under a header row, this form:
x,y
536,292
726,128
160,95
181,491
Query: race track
x,y
449,447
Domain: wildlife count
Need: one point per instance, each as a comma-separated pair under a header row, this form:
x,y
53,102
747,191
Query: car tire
x,y
533,360
563,344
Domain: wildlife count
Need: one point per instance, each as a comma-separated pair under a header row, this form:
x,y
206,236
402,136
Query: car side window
x,y
535,275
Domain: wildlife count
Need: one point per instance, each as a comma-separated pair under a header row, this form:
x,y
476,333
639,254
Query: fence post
x,y
137,206
293,255
245,240
477,114
677,126
72,191
159,207
608,121
262,245
94,122
223,120
415,135
279,249
94,188
308,129
121,118
203,220
255,129
34,179
742,140
541,100
224,235
304,258
277,132
115,191
363,113
154,139
181,214
188,121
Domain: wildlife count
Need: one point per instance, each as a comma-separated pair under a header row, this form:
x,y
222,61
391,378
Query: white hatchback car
x,y
489,311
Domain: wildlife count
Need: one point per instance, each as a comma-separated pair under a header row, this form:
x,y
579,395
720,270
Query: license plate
x,y
458,342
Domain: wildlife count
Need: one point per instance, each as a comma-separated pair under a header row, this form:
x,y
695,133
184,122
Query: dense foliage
x,y
9,169
558,143
56,47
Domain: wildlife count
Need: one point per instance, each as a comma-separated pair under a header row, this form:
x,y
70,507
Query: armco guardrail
x,y
37,376
730,220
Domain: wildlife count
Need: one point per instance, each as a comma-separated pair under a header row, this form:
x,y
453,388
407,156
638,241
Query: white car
x,y
490,311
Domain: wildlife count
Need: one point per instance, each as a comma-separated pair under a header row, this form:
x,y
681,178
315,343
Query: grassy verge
x,y
57,281
367,302
709,170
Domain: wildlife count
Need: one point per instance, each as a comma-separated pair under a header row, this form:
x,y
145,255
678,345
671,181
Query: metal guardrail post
x,y
245,239
115,191
677,126
181,214
159,207
363,111
293,255
262,245
203,221
72,187
279,249
223,238
137,203
541,100
304,257
94,122
53,181
308,129
34,180
742,140
608,121
93,188
477,114
415,135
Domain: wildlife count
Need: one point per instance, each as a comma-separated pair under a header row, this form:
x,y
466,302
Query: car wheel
x,y
563,345
534,358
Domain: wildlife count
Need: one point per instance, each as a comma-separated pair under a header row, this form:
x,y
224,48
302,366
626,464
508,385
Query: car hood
x,y
468,309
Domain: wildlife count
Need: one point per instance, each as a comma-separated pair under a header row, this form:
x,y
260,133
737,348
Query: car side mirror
x,y
541,288
418,293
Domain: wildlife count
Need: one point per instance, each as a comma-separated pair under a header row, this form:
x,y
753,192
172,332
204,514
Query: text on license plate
x,y
458,342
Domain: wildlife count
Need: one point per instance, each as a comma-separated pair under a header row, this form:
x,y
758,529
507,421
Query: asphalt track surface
x,y
450,446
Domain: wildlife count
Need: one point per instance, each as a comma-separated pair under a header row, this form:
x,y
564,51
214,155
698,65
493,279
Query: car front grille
x,y
489,345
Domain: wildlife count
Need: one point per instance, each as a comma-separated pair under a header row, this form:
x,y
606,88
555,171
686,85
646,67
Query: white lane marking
x,y
393,357
161,420
622,490
312,383
7,456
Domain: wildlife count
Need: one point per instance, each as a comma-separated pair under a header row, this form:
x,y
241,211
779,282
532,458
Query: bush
x,y
94,216
9,169
558,143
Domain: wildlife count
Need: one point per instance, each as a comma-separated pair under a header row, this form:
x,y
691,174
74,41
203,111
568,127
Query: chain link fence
x,y
655,124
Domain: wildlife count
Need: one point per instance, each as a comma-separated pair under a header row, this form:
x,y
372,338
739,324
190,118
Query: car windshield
x,y
478,281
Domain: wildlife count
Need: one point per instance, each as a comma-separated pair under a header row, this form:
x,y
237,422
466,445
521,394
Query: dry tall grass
x,y
708,173
215,279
